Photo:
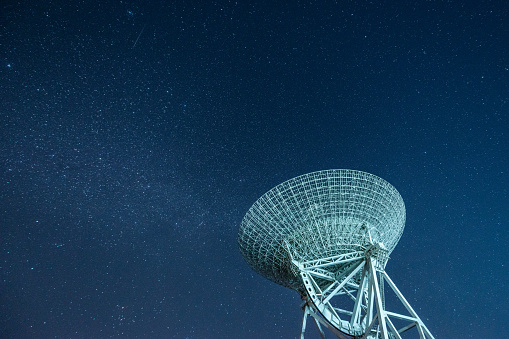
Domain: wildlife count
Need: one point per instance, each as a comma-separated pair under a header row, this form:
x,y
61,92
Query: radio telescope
x,y
328,236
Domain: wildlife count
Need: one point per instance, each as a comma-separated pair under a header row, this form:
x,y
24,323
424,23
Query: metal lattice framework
x,y
328,235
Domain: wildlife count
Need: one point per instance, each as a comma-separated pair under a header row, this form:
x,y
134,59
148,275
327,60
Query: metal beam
x,y
401,316
350,276
358,301
407,327
334,260
378,299
392,328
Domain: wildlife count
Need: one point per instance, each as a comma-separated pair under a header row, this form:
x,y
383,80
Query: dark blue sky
x,y
136,135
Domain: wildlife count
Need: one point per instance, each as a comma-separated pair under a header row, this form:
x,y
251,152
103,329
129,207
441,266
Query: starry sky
x,y
135,135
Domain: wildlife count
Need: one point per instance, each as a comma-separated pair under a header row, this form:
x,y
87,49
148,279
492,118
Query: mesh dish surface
x,y
319,215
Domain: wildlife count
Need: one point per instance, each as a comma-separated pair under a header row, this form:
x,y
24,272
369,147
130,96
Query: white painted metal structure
x,y
328,235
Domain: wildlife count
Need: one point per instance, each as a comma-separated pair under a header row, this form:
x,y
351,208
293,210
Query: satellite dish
x,y
328,236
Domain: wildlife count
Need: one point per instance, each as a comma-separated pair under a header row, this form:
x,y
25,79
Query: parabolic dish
x,y
319,215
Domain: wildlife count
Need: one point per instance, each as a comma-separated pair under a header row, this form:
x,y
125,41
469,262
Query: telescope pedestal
x,y
368,319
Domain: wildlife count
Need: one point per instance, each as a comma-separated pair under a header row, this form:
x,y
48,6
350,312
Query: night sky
x,y
135,135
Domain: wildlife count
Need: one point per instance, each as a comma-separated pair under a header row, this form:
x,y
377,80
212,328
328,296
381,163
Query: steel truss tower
x,y
368,318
